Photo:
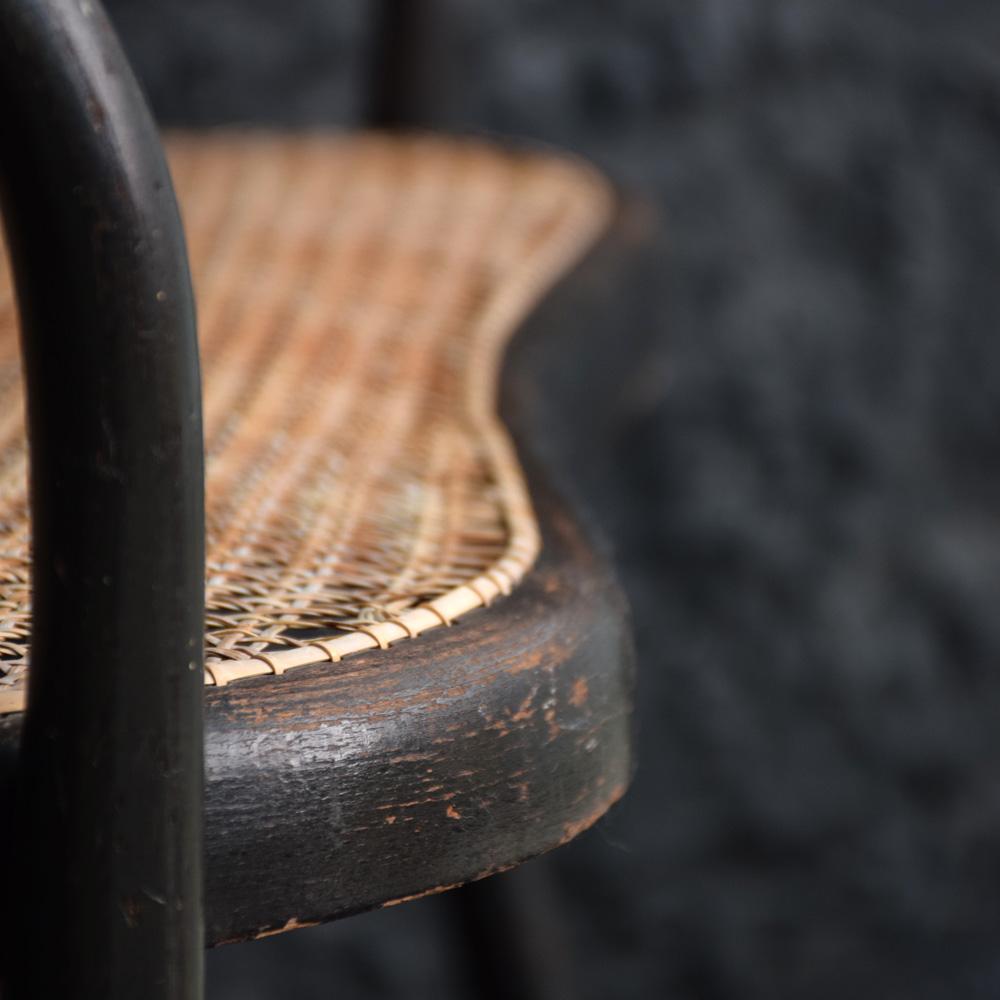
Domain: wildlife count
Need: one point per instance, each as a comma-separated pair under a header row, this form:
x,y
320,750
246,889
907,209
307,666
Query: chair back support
x,y
108,894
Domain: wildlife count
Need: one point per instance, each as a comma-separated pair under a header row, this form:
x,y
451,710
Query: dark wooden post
x,y
110,774
409,78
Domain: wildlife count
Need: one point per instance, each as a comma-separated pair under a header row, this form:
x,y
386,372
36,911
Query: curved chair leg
x,y
513,938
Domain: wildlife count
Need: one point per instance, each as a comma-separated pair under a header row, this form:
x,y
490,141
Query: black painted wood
x,y
411,62
447,758
461,753
341,787
107,866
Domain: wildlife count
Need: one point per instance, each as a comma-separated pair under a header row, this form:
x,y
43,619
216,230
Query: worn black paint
x,y
341,787
108,862
345,786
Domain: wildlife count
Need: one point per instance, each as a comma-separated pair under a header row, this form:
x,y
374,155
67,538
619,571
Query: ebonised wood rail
x,y
103,898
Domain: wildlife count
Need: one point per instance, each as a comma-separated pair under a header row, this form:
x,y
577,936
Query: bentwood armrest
x,y
110,769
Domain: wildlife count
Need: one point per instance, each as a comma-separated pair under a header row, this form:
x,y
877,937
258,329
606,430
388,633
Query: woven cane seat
x,y
355,297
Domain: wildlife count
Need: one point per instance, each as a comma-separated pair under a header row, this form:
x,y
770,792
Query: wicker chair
x,y
344,600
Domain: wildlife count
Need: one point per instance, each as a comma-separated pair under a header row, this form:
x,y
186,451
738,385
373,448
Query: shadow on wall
x,y
790,433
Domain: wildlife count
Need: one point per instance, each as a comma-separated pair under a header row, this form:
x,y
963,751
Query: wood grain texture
x,y
395,774
391,776
399,773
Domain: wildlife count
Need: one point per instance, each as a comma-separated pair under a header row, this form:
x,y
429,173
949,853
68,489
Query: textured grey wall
x,y
798,467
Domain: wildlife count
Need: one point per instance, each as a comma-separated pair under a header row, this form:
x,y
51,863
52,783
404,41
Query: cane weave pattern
x,y
355,296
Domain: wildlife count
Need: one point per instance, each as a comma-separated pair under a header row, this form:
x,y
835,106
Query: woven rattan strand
x,y
355,296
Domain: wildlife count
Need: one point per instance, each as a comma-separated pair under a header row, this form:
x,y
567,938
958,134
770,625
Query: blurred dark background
x,y
789,433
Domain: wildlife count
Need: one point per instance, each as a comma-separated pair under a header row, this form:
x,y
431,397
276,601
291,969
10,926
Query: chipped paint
x,y
291,924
